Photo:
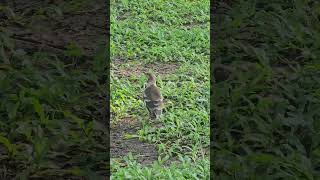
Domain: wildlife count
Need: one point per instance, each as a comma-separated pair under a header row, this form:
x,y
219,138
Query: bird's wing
x,y
153,98
153,93
157,102
154,105
145,97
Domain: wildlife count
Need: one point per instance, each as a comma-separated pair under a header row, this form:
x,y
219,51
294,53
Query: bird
x,y
152,97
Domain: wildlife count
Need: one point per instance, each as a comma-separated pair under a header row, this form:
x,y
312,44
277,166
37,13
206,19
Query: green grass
x,y
43,110
150,31
161,33
186,169
267,111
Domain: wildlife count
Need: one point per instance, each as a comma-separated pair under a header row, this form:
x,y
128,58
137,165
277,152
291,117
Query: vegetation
x,y
170,38
267,112
51,107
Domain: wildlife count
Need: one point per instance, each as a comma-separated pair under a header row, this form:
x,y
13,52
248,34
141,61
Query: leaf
x,y
41,148
100,61
78,120
89,128
130,136
73,50
39,110
263,158
77,171
12,109
10,147
5,142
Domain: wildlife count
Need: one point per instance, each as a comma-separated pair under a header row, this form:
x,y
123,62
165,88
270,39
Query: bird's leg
x,y
158,113
153,114
150,112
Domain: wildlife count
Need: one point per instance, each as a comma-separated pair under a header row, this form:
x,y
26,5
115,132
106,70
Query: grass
x,y
267,120
51,112
43,110
266,113
163,34
150,31
185,170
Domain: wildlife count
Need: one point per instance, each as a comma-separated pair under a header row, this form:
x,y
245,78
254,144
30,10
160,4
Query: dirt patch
x,y
53,32
129,69
164,68
120,146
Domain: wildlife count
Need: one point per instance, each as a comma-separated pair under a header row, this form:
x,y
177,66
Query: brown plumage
x,y
152,97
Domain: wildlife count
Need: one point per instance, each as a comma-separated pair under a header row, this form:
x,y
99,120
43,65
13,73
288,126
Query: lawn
x,y
171,39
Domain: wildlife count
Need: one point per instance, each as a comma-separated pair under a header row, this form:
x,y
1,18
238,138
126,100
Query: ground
x,y
52,31
120,146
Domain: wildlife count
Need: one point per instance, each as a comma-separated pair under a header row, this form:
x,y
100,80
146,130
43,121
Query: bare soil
x,y
121,146
137,69
52,32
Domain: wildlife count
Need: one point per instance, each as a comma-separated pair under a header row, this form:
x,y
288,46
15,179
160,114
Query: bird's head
x,y
151,78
